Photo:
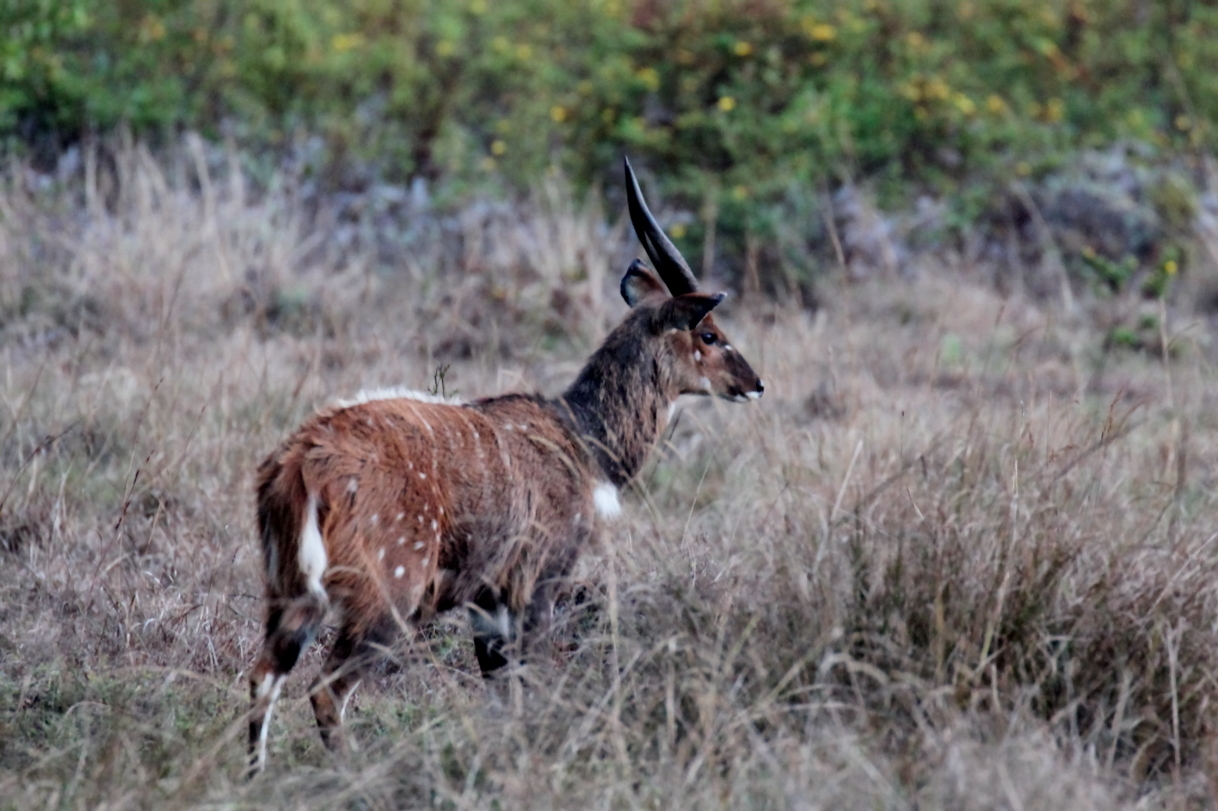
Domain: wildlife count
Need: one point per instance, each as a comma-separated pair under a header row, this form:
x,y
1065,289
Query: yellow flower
x,y
650,78
523,52
445,48
677,231
743,48
1088,252
500,43
964,104
341,43
152,28
1184,123
995,104
478,7
916,40
1170,267
823,32
498,147
558,113
1054,110
727,104
740,192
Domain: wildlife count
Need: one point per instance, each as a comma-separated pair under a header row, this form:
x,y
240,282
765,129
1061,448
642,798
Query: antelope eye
x,y
708,338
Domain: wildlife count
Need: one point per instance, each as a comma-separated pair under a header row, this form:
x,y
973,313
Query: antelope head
x,y
700,359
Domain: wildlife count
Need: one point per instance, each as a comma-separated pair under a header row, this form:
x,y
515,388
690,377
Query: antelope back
x,y
420,505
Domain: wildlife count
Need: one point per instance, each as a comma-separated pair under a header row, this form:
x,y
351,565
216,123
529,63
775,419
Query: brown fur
x,y
424,506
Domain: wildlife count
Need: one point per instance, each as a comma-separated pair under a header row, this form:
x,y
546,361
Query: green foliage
x,y
733,102
1111,275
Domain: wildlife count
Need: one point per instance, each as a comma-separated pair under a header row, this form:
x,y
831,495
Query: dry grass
x,y
956,558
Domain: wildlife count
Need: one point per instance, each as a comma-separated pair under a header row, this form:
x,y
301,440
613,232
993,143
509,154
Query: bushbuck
x,y
381,511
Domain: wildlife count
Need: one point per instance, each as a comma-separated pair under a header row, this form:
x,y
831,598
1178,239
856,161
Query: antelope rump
x,y
381,511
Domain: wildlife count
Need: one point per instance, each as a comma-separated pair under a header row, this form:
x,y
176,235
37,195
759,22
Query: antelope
x,y
386,509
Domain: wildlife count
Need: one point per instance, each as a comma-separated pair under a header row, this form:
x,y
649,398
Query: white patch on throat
x,y
606,501
312,555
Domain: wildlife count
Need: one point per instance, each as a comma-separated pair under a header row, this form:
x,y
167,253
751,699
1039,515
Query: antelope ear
x,y
685,312
640,283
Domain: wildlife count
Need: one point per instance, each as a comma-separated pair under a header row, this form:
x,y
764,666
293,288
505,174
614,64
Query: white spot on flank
x,y
401,540
698,355
312,554
606,501
420,518
441,511
418,545
426,561
400,516
399,571
434,524
352,485
380,555
375,519
422,475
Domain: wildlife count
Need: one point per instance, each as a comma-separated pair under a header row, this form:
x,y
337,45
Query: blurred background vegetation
x,y
747,114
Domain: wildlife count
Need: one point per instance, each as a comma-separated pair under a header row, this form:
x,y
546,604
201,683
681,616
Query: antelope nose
x,y
758,390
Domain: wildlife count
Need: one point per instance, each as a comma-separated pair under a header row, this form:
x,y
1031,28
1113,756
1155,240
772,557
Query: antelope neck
x,y
619,403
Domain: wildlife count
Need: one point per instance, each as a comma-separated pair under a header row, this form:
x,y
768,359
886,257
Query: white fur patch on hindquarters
x,y
606,501
312,554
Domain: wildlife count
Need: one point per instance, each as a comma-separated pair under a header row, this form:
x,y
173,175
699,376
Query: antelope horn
x,y
668,261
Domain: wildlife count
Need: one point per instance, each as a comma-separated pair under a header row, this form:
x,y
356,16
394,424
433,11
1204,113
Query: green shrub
x,y
732,103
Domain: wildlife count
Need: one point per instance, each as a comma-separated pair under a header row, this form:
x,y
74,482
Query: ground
x,y
959,556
